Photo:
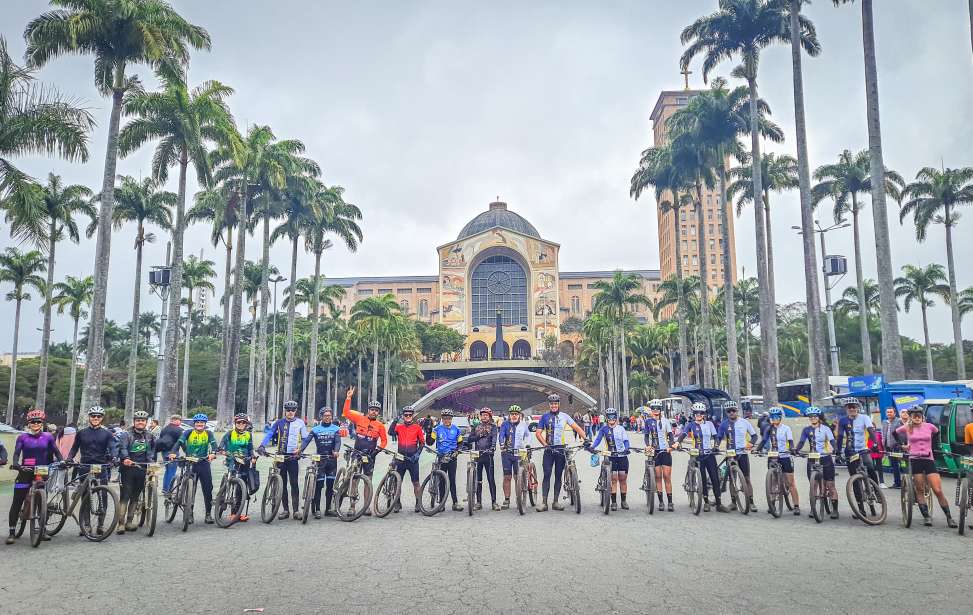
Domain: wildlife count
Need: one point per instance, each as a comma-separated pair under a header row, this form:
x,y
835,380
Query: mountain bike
x,y
274,491
171,498
908,496
818,495
733,481
648,479
693,482
964,491
390,487
310,484
865,498
33,513
775,485
92,500
233,496
147,506
603,486
355,494
572,485
185,498
525,480
435,488
473,481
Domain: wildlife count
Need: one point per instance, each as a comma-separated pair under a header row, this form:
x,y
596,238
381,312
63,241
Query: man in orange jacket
x,y
370,433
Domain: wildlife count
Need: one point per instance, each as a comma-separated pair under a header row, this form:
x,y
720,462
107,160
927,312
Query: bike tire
x,y
151,508
532,484
470,488
310,478
358,491
187,502
270,503
387,494
694,489
649,486
575,488
171,503
38,517
109,528
775,496
432,493
906,496
230,500
604,481
817,497
520,488
57,515
871,495
739,491
964,503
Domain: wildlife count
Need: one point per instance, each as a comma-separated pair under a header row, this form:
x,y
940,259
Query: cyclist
x,y
238,442
919,434
327,442
289,432
551,433
704,437
823,442
513,435
201,443
370,433
448,438
483,438
860,431
134,447
734,431
780,439
411,439
168,437
97,445
617,445
34,447
658,435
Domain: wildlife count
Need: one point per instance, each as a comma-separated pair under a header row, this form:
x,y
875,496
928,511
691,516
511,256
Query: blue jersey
x,y
514,436
325,437
447,438
781,439
616,439
703,433
821,438
857,428
735,433
555,426
658,432
289,434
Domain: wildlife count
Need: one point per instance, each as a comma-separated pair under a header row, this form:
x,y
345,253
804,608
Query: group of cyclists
x,y
134,450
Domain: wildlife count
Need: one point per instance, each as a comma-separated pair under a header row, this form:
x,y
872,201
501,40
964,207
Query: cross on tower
x,y
685,73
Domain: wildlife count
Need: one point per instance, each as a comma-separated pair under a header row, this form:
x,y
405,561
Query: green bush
x,y
207,410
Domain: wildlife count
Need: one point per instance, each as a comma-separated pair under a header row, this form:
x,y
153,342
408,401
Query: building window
x,y
685,245
575,304
478,351
404,291
682,230
712,259
695,261
499,282
712,244
364,291
423,308
521,349
685,260
385,291
404,305
575,286
591,285
423,291
682,215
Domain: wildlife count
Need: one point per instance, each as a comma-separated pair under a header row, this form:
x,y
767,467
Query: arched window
x,y
567,349
423,308
506,350
499,282
478,351
405,306
521,349
575,305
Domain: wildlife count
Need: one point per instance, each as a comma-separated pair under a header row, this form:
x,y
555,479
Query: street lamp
x,y
273,349
832,265
159,284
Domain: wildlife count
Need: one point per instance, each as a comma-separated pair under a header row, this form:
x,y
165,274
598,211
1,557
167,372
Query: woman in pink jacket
x,y
919,434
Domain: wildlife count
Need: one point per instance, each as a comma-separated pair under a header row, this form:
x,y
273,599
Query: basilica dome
x,y
498,216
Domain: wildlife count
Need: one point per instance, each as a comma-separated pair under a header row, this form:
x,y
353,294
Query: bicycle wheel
x,y
575,487
432,493
532,484
648,484
355,499
387,494
694,488
739,489
470,488
871,509
310,478
172,499
229,503
57,508
38,516
817,497
604,486
150,510
964,503
270,503
906,496
187,501
775,492
102,504
520,488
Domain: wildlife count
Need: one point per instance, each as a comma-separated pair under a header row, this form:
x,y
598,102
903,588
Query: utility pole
x,y
159,282
832,265
273,351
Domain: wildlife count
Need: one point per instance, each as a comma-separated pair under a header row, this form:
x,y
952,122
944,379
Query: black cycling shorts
x,y
412,467
786,465
619,464
663,458
923,466
510,463
827,463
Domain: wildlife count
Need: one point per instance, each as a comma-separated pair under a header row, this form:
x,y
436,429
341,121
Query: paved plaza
x,y
501,562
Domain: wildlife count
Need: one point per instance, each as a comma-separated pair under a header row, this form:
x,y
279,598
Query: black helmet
x,y
323,410
553,397
241,417
290,405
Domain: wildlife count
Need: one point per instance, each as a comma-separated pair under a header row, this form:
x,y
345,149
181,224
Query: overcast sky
x,y
426,111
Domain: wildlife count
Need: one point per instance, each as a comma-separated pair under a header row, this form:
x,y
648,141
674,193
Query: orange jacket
x,y
365,428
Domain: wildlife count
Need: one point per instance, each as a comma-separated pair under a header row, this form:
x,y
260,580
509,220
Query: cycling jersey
x,y
704,435
857,428
410,438
483,437
35,450
137,446
196,443
289,435
920,439
236,443
96,444
447,438
658,432
555,426
616,439
820,437
326,439
781,439
369,433
514,435
735,433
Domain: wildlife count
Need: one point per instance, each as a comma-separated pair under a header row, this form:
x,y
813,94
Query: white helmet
x,y
699,408
655,403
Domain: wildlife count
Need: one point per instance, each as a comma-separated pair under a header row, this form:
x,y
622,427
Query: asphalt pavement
x,y
502,562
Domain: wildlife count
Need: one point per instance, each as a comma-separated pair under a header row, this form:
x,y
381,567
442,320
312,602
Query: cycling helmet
x,y
290,405
323,410
699,408
241,417
374,405
515,409
655,403
200,418
140,414
553,398
643,410
595,461
446,412
850,401
408,410
96,411
813,411
487,410
775,413
917,410
730,405
36,416
611,413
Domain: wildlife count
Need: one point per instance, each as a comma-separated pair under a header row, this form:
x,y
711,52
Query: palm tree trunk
x,y
374,373
892,365
768,311
729,305
925,337
133,351
334,396
771,276
385,384
703,285
253,362
680,301
41,398
170,362
860,281
12,392
289,352
225,343
954,299
233,357
187,343
327,389
261,383
358,388
304,393
601,379
74,373
748,363
621,340
91,389
313,356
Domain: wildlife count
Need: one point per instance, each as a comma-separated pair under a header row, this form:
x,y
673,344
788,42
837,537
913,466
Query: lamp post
x,y
273,349
159,283
832,265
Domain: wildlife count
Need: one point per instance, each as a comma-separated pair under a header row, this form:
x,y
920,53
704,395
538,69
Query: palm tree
x,y
118,33
892,364
196,274
850,304
921,284
44,217
142,202
19,269
845,182
685,290
370,317
35,120
74,295
745,28
149,324
933,198
183,122
615,298
330,214
328,295
598,335
965,301
251,292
